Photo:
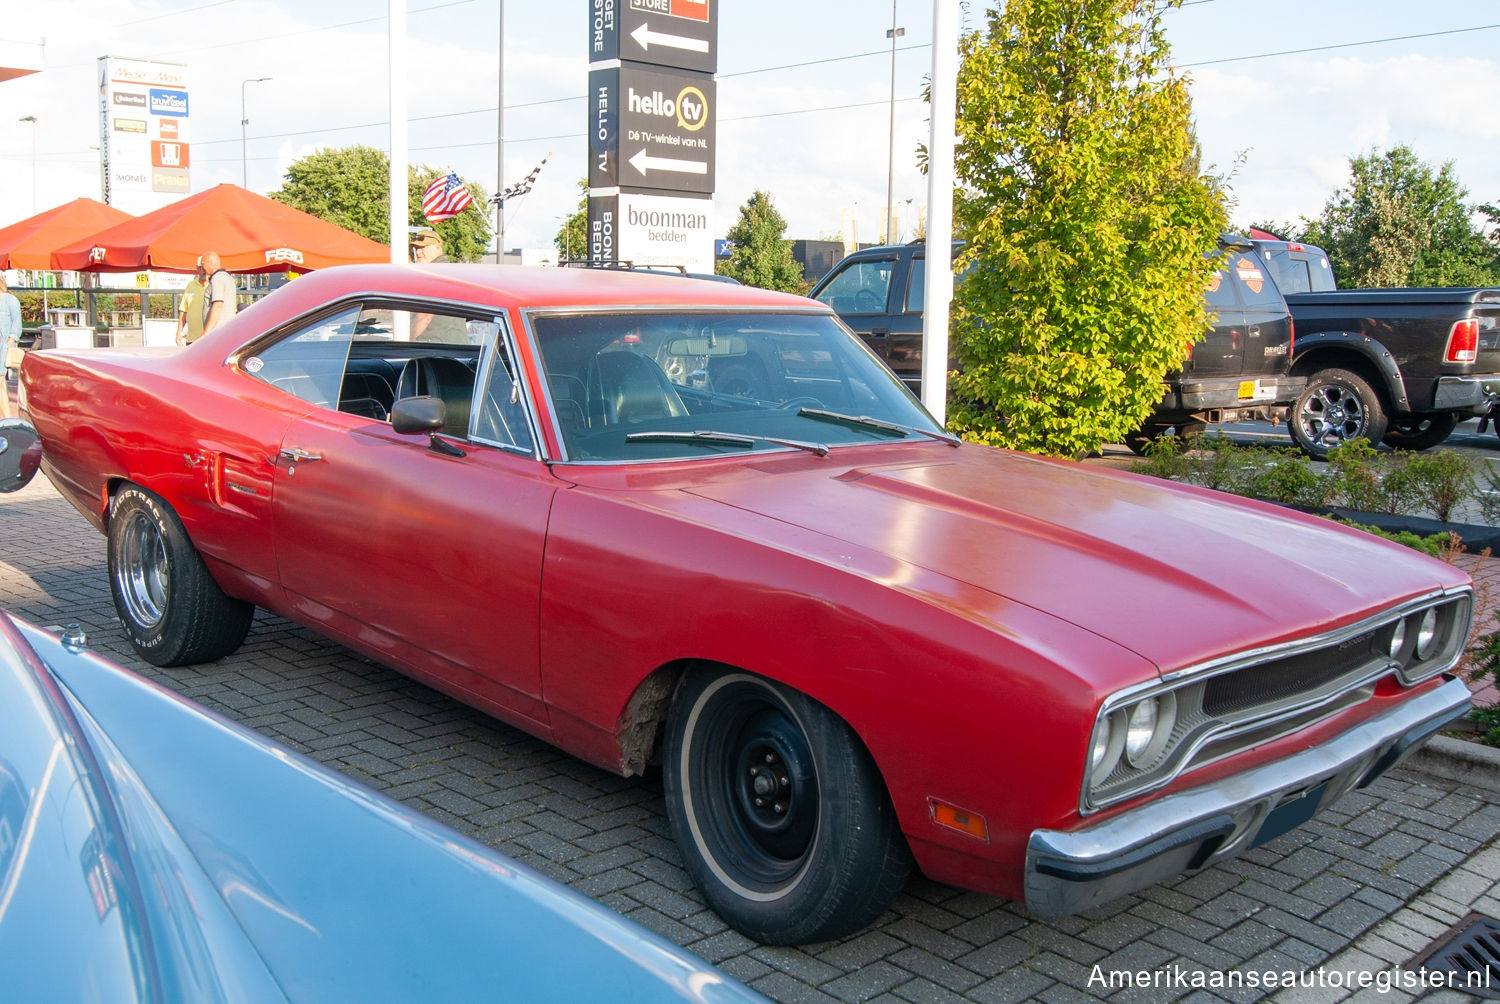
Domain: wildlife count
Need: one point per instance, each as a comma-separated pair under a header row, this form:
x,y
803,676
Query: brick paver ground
x,y
1363,886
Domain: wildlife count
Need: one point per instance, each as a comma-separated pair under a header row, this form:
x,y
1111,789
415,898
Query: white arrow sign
x,y
645,38
643,163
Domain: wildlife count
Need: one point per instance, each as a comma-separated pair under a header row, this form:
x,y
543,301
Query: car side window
x,y
916,286
861,287
309,364
1220,295
502,412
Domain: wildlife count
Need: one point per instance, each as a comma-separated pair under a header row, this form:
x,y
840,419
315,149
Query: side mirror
x,y
412,415
20,454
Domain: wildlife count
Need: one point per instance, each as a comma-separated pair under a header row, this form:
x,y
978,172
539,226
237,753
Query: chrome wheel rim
x,y
142,574
1332,414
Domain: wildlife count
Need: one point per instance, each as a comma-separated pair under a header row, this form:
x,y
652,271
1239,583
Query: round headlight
x,y
1427,634
1141,728
1101,745
1398,639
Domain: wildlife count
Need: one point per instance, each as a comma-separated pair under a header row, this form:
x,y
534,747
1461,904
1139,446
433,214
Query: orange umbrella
x,y
250,232
30,243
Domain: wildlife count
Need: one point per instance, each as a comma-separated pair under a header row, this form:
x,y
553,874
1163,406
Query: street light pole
x,y
890,158
244,168
32,120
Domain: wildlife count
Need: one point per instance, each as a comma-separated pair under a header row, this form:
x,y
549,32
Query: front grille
x,y
1292,678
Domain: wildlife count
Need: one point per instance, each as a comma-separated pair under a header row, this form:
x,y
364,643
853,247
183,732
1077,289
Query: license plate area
x,y
1292,812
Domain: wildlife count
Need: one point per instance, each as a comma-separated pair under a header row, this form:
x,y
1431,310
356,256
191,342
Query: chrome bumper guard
x,y
1068,871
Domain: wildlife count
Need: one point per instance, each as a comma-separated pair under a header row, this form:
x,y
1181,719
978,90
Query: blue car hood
x,y
150,850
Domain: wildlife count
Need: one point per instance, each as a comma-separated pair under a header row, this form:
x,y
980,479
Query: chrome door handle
x,y
293,454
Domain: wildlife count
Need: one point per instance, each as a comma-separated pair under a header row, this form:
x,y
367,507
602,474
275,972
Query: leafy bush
x,y
1438,545
1279,475
1439,481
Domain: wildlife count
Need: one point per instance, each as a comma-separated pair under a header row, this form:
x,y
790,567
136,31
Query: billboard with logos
x,y
143,133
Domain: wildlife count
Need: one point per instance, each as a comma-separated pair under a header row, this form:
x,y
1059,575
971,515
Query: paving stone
x,y
1406,847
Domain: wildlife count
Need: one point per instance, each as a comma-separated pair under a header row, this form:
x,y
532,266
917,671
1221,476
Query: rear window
x,y
1303,271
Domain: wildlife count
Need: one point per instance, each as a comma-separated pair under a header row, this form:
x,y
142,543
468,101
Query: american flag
x,y
521,187
445,198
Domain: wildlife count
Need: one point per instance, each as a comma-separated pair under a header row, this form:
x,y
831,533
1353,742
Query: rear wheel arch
x,y
1359,355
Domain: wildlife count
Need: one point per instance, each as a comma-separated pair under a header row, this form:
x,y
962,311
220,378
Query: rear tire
x,y
782,818
1420,432
172,610
1335,408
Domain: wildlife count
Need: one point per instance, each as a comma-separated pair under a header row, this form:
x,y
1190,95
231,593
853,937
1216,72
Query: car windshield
x,y
641,386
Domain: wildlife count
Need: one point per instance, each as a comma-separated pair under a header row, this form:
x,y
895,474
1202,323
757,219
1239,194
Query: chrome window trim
x,y
294,326
487,359
529,316
1269,716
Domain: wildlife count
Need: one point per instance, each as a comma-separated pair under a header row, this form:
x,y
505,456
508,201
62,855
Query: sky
x,y
1284,93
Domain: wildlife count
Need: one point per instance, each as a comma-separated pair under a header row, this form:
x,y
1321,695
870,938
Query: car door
x,y
861,291
424,550
1268,323
1222,351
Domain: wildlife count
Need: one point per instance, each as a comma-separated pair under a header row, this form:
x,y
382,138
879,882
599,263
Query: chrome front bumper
x,y
1072,870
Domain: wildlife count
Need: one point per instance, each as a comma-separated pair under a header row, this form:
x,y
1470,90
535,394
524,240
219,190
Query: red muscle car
x,y
656,520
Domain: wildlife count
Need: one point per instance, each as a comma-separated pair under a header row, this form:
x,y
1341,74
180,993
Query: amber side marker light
x,y
968,823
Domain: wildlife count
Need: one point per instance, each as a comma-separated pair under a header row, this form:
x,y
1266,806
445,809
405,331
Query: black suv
x,y
1238,371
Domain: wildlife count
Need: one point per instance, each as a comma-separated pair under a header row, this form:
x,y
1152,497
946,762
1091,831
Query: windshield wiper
x,y
730,438
880,425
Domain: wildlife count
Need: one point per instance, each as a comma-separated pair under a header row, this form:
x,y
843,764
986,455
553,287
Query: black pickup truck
x,y
1238,371
1399,366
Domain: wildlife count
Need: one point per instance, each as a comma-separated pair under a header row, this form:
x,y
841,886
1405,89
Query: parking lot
x,y
1361,889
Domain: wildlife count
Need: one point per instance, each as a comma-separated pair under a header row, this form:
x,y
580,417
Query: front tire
x,y
782,818
1420,432
172,610
1335,408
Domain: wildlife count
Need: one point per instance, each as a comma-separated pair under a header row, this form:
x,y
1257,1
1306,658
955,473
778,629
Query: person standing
x,y
190,309
220,298
10,335
427,247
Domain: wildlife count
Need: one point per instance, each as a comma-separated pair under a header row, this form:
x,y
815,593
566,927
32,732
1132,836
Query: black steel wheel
x,y
1335,408
173,611
782,818
1420,432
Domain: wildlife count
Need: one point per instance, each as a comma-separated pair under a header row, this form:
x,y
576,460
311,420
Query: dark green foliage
x,y
350,187
1402,223
760,254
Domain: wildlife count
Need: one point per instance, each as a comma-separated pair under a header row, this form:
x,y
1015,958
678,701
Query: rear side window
x,y
861,287
1253,280
916,288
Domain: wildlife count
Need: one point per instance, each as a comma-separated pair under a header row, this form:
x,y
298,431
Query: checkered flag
x,y
521,187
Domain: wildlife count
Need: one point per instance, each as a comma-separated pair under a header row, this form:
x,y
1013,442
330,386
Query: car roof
x,y
511,286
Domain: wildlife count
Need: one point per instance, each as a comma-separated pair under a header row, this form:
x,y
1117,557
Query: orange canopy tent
x,y
30,243
250,232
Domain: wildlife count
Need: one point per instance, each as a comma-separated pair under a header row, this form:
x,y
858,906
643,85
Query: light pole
x,y
32,120
890,157
244,169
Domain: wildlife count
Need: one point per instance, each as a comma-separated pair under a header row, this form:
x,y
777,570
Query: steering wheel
x,y
798,403
867,302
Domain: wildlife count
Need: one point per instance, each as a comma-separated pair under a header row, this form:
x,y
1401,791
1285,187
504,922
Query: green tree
x,y
1400,223
1088,225
760,255
349,187
572,240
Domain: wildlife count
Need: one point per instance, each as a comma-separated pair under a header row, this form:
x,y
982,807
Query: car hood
x,y
161,852
1176,574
